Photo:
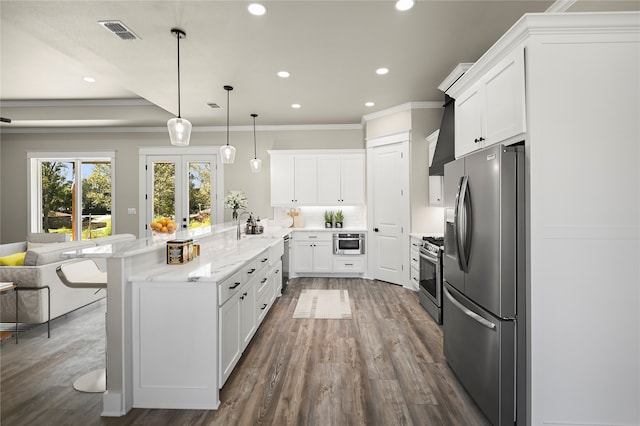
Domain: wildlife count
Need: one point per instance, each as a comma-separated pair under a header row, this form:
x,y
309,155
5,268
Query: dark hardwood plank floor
x,y
383,367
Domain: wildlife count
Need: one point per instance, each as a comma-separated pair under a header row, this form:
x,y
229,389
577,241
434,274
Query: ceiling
x,y
331,49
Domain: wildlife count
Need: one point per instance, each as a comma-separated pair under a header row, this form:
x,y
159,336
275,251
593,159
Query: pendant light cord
x,y
178,38
255,155
227,115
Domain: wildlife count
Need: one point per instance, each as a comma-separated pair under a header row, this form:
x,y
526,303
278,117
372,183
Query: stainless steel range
x,y
430,291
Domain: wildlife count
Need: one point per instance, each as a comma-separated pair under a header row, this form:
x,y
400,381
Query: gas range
x,y
433,245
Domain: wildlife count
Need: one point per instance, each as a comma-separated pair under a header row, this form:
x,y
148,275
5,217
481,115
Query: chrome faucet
x,y
239,216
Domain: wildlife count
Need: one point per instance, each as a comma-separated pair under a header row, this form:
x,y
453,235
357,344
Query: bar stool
x,y
85,274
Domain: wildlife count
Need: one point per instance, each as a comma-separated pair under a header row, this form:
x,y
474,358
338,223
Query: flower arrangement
x,y
235,200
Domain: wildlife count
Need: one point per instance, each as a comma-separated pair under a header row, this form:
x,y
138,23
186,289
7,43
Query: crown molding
x,y
74,103
454,75
560,6
399,108
543,24
200,129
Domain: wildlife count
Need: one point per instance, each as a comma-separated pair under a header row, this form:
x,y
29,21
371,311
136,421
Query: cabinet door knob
x,y
375,230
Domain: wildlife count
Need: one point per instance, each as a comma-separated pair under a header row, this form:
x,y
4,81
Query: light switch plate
x,y
131,210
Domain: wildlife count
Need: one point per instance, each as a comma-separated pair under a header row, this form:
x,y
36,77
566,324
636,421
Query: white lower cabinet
x,y
228,336
247,312
312,252
414,262
349,264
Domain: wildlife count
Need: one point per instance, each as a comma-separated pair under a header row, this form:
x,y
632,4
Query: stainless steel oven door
x,y
431,277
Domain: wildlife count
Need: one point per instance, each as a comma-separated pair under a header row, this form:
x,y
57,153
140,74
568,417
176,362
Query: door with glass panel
x,y
180,192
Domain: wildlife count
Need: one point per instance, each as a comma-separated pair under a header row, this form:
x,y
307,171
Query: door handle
x,y
461,231
469,312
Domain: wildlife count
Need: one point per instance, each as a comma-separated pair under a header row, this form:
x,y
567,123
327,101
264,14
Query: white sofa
x,y
43,255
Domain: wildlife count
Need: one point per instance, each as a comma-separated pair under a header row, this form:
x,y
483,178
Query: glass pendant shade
x,y
179,131
256,165
227,154
179,128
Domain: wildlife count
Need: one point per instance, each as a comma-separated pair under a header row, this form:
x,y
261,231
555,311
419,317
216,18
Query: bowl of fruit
x,y
163,228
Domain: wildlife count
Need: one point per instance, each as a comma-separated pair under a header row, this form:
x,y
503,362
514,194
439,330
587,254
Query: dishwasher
x,y
285,263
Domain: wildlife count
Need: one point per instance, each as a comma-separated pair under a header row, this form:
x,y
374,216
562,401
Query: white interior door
x,y
389,177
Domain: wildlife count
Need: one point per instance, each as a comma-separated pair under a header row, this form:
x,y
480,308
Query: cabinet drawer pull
x,y
277,271
264,260
264,280
235,285
348,264
264,307
251,271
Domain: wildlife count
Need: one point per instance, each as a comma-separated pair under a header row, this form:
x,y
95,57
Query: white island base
x,y
175,351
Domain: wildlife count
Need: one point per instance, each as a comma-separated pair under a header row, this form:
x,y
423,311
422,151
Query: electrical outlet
x,y
131,210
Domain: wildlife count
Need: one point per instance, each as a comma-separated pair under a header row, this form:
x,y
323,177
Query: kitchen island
x,y
175,332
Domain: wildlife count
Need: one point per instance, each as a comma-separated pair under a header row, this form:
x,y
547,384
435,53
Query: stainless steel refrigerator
x,y
484,279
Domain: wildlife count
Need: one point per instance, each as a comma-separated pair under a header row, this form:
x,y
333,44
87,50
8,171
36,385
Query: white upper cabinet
x,y
326,177
305,180
493,109
341,179
293,180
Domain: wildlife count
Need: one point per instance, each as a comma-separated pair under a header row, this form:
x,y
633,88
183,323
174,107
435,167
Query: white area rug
x,y
323,304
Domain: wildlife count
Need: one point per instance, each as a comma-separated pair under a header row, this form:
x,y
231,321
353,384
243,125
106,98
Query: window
x,y
71,193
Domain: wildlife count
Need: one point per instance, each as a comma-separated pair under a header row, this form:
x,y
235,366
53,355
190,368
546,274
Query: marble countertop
x,y
214,264
221,254
144,245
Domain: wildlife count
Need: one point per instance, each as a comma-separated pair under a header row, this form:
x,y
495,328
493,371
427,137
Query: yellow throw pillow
x,y
15,259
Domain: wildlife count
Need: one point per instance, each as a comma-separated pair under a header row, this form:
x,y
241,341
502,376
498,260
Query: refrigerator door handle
x,y
463,224
469,312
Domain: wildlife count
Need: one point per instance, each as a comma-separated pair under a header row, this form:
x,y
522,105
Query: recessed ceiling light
x,y
283,74
295,106
257,9
405,4
369,104
89,79
382,71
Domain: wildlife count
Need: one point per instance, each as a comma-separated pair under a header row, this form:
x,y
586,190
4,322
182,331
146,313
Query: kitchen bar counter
x,y
140,281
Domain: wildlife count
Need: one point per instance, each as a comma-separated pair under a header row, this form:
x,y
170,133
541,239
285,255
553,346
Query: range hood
x,y
445,147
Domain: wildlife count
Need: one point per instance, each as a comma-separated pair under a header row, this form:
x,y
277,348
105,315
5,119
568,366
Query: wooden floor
x,y
383,367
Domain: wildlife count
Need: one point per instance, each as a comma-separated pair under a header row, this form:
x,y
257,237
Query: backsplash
x,y
354,216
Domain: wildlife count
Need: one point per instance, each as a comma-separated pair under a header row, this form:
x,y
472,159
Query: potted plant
x,y
328,218
339,219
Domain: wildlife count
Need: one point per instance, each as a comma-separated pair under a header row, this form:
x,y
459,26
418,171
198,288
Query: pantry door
x,y
181,187
389,214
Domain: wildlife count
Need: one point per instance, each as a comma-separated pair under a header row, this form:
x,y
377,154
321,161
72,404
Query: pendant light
x,y
179,128
255,163
227,152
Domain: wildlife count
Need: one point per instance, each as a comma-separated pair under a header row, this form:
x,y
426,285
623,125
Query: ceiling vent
x,y
213,105
119,29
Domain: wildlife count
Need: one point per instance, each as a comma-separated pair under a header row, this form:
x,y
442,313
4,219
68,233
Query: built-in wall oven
x,y
430,291
348,243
